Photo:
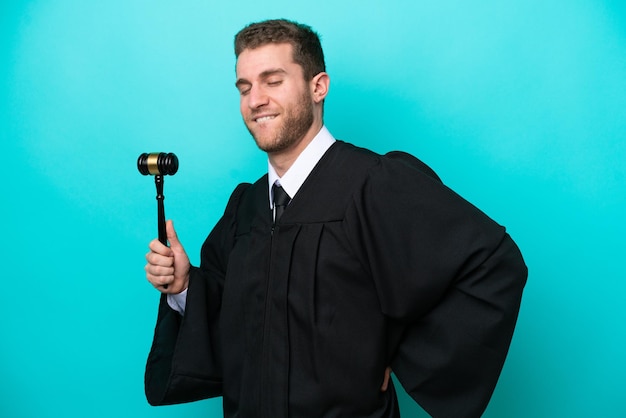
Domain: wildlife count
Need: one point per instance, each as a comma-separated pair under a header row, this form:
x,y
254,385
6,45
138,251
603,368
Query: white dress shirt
x,y
291,182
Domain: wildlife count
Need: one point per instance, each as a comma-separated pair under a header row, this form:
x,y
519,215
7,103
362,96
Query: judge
x,y
332,268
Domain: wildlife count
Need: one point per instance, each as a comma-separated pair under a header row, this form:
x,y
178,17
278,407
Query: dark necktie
x,y
281,200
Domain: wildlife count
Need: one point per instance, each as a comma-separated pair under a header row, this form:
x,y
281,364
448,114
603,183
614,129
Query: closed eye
x,y
243,86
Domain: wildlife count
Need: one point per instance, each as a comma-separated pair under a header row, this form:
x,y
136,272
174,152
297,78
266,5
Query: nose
x,y
257,97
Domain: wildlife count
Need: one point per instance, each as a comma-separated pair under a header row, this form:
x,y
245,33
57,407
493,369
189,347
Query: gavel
x,y
159,164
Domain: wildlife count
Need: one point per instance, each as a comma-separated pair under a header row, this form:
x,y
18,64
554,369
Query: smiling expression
x,y
276,102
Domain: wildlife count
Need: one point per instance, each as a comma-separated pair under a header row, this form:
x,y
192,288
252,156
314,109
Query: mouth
x,y
264,118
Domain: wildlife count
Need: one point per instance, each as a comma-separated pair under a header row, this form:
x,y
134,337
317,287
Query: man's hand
x,y
385,384
168,265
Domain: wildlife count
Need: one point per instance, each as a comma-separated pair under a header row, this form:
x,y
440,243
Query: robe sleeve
x,y
449,275
184,363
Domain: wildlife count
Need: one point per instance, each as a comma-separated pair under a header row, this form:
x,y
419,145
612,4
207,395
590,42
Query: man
x,y
332,267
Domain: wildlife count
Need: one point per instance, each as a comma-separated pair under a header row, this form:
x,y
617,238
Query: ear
x,y
319,86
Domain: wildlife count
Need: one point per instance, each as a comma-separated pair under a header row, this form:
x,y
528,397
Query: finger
x,y
157,247
172,237
385,384
159,271
156,259
159,282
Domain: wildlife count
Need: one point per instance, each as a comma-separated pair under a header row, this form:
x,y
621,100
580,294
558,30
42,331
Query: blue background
x,y
520,106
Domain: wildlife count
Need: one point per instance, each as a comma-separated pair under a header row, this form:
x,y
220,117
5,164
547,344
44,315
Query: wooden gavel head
x,y
157,164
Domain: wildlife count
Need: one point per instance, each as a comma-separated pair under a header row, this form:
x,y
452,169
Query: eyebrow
x,y
265,74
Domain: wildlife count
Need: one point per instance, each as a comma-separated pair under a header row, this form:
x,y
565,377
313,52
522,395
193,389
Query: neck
x,y
284,159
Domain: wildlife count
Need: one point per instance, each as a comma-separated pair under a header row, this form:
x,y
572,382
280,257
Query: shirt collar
x,y
302,167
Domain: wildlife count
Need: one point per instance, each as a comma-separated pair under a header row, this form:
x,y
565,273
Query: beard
x,y
297,121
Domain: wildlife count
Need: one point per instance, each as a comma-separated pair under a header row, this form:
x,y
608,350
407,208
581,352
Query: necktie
x,y
281,200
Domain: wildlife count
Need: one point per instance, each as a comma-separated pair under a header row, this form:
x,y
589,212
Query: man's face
x,y
275,101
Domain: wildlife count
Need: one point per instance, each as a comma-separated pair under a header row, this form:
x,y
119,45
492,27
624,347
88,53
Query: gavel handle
x,y
158,181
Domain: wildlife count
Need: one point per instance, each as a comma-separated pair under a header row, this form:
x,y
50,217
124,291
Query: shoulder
x,y
235,197
411,162
350,158
249,201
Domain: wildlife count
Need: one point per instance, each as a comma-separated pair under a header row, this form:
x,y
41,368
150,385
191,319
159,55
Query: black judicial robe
x,y
373,263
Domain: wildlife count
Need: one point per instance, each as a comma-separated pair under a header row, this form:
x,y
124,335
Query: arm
x,y
184,363
450,360
448,277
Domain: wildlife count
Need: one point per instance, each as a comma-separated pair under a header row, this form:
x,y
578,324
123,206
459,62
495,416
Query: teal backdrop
x,y
520,106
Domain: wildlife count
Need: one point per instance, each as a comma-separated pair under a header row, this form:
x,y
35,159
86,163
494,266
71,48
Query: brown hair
x,y
307,49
